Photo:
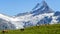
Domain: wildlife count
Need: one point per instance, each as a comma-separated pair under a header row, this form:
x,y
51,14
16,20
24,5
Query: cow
x,y
5,31
22,29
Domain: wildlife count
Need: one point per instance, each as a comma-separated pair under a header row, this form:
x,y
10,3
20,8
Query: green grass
x,y
43,29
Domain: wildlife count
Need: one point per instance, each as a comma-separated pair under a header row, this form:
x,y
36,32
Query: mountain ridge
x,y
38,16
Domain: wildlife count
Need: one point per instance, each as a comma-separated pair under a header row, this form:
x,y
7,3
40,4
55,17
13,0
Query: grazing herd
x,y
6,31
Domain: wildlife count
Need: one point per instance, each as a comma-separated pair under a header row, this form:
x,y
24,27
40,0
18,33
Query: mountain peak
x,y
41,8
43,3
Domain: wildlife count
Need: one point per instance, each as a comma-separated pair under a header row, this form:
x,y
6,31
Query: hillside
x,y
43,29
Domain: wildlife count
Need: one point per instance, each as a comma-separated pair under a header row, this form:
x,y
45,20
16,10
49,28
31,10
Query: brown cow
x,y
5,31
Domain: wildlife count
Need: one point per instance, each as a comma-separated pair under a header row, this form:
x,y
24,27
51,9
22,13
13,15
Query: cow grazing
x,y
5,31
22,29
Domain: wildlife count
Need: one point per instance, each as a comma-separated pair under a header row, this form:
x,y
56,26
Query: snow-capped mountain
x,y
40,14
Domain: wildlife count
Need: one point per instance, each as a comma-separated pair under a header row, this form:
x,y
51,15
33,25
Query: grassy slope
x,y
50,29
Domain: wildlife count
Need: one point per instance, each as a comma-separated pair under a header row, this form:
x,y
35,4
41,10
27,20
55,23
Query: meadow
x,y
42,29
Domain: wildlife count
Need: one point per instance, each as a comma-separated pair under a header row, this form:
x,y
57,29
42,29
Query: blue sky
x,y
13,7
